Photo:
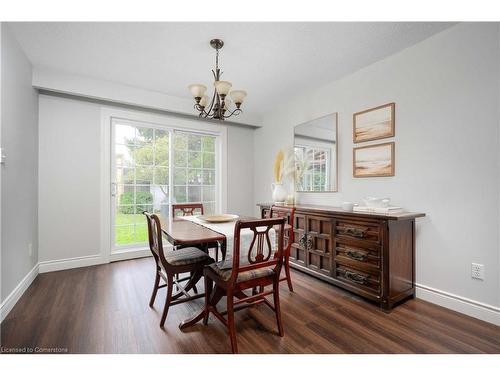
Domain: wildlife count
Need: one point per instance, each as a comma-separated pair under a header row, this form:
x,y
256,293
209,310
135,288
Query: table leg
x,y
223,249
191,284
217,294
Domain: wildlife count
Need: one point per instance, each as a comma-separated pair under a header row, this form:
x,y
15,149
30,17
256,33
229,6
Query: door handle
x,y
113,189
302,241
309,242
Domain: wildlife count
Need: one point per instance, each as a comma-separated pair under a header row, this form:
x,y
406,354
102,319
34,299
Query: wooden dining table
x,y
181,232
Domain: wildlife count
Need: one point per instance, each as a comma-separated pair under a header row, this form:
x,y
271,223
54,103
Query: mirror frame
x,y
335,115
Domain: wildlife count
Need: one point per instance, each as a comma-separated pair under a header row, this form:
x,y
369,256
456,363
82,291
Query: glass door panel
x,y
141,176
152,168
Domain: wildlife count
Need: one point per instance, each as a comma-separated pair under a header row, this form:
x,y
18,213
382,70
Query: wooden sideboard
x,y
371,255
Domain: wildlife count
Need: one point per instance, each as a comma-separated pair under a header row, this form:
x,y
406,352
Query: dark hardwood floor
x,y
104,309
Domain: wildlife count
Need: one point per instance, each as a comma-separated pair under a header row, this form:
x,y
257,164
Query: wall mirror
x,y
315,146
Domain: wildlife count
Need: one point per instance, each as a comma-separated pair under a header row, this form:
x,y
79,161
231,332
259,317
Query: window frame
x,y
160,122
316,147
202,169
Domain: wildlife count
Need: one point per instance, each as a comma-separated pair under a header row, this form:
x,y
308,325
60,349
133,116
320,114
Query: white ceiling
x,y
272,61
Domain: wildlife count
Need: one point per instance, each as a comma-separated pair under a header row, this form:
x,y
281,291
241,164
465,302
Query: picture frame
x,y
374,160
374,123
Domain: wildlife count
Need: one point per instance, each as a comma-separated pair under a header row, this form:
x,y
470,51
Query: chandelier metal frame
x,y
219,104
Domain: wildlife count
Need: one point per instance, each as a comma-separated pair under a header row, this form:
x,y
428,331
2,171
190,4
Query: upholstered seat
x,y
225,273
185,256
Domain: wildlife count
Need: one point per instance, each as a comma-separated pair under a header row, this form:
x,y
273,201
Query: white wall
x,y
61,82
240,170
446,91
19,173
70,177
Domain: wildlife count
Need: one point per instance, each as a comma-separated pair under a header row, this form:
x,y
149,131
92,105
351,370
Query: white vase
x,y
279,192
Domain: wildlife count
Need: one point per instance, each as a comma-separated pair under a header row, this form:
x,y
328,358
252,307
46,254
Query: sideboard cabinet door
x,y
319,243
298,250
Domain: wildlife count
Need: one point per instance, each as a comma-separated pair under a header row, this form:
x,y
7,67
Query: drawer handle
x,y
356,277
355,232
356,255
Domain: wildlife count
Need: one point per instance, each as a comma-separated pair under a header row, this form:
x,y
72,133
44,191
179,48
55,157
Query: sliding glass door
x,y
153,167
194,169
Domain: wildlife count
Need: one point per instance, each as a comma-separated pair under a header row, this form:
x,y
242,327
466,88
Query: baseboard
x,y
129,254
479,310
91,260
18,291
64,264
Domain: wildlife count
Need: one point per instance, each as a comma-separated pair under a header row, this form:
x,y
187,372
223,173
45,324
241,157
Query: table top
x,y
320,209
183,232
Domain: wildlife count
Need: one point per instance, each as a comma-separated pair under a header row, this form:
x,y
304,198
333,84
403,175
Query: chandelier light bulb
x,y
222,87
204,101
238,96
197,90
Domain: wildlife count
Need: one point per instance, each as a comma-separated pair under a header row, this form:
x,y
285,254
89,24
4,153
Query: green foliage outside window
x,y
142,199
145,164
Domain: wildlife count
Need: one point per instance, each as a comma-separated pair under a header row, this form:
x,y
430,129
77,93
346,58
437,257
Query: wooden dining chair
x,y
257,266
190,209
170,264
186,209
289,214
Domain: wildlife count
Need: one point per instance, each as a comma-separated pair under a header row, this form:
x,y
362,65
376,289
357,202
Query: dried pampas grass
x,y
284,165
278,166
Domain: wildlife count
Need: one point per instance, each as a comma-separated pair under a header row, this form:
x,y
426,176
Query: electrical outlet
x,y
30,249
477,271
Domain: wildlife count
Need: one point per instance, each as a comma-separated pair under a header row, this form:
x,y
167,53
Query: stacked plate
x,y
223,218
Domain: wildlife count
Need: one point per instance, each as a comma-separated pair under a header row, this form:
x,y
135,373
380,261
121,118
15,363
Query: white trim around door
x,y
108,115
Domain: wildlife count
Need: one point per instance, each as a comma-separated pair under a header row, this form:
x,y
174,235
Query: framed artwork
x,y
373,160
374,123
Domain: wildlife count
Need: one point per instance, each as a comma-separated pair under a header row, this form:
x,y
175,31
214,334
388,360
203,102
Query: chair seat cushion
x,y
225,273
185,256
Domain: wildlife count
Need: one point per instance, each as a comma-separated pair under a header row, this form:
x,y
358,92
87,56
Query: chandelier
x,y
220,105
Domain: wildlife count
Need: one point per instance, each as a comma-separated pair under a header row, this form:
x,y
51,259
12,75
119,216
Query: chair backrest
x,y
261,252
155,237
289,214
186,209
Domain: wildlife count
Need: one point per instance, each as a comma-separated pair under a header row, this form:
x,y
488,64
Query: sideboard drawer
x,y
368,282
360,231
361,258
